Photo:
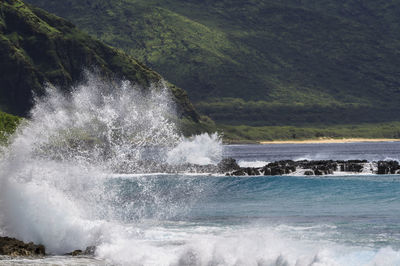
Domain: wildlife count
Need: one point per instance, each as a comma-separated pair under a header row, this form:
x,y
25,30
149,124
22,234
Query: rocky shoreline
x,y
15,248
230,167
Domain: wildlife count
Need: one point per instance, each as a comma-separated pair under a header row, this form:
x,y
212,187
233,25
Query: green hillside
x,y
249,134
8,124
261,62
37,48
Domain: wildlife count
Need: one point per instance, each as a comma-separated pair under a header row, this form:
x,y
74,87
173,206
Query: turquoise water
x,y
280,220
361,210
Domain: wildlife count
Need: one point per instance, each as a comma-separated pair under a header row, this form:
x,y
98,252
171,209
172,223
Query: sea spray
x,y
200,149
55,174
102,123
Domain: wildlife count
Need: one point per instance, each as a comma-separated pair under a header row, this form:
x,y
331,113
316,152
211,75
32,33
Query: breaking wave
x,y
55,183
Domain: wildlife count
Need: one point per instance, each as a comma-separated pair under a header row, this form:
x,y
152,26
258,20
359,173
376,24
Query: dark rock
x,y
277,170
251,171
77,252
13,247
88,251
388,167
239,172
319,172
266,170
352,166
324,169
321,167
357,161
355,167
309,172
228,165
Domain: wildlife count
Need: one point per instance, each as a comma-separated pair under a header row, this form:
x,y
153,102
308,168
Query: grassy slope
x,y
37,47
249,134
290,62
8,124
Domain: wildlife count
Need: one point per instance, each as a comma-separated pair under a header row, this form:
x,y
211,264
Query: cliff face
x,y
37,48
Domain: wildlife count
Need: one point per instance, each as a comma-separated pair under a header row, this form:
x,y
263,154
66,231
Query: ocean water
x,y
215,220
274,221
259,155
71,178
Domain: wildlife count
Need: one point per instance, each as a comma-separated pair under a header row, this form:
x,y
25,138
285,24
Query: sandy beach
x,y
325,140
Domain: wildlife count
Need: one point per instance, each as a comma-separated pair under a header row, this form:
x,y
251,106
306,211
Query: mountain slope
x,y
37,47
261,62
8,124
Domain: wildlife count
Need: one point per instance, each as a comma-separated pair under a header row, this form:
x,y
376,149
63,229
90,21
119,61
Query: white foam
x,y
236,246
252,163
201,149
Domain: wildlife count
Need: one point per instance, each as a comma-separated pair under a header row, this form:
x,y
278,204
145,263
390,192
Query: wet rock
x,y
352,166
279,168
323,167
357,161
309,172
251,171
319,167
276,170
240,172
77,252
228,165
388,167
15,248
89,251
319,172
266,170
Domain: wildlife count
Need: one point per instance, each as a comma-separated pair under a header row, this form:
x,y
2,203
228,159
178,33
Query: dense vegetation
x,y
8,124
301,62
37,48
246,134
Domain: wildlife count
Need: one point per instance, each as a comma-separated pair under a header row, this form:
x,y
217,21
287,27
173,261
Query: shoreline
x,y
324,141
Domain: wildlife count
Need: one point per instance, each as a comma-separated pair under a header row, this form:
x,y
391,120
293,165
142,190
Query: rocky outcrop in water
x,y
388,167
305,167
89,251
230,167
15,248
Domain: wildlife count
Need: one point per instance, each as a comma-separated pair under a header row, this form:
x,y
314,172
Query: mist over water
x,y
200,149
73,176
